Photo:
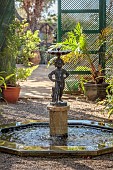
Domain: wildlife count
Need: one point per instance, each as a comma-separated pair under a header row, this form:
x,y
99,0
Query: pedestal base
x,y
58,103
58,120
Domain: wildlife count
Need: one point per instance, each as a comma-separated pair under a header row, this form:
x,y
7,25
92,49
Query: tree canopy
x,y
33,9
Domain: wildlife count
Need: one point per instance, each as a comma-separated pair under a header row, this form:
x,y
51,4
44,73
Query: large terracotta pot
x,y
11,94
95,91
36,59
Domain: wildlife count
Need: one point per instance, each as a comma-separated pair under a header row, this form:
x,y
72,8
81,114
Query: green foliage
x,y
82,81
23,73
19,74
76,41
51,61
21,42
30,44
82,68
109,98
4,80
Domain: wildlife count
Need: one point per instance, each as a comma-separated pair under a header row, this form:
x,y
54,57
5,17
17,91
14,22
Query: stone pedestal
x,y
58,120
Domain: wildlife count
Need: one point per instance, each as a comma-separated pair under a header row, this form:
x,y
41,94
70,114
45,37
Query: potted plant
x,y
29,53
8,56
24,42
3,82
10,83
77,43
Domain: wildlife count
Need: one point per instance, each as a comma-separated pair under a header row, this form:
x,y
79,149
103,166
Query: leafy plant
x,y
82,68
4,80
83,78
17,39
24,73
19,74
108,102
21,42
30,44
76,41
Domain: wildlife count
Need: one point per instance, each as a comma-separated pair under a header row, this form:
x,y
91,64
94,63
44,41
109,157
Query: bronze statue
x,y
60,75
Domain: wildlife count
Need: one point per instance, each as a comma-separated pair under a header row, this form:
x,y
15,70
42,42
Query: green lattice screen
x,y
93,15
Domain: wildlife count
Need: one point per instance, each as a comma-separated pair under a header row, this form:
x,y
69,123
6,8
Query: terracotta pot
x,y
11,94
36,59
95,91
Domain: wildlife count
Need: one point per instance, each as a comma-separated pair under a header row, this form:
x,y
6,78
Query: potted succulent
x,y
8,56
77,43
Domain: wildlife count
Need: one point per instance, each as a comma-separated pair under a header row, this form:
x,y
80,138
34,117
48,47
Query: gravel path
x,y
36,109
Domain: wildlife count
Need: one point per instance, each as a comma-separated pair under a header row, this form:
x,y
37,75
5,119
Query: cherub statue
x,y
60,75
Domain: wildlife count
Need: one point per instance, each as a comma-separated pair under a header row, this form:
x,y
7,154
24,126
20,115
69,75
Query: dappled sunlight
x,y
35,91
25,110
87,110
38,85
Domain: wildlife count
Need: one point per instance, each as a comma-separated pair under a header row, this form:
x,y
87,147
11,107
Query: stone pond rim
x,y
63,151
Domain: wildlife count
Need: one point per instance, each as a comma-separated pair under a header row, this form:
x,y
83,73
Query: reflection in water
x,y
58,141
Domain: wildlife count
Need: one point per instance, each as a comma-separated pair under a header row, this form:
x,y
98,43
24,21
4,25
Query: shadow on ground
x,y
36,109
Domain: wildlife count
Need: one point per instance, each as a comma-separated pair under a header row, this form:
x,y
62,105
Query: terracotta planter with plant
x,y
95,91
16,37
35,60
11,94
10,87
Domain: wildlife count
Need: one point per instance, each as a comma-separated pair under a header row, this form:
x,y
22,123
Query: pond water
x,y
78,135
